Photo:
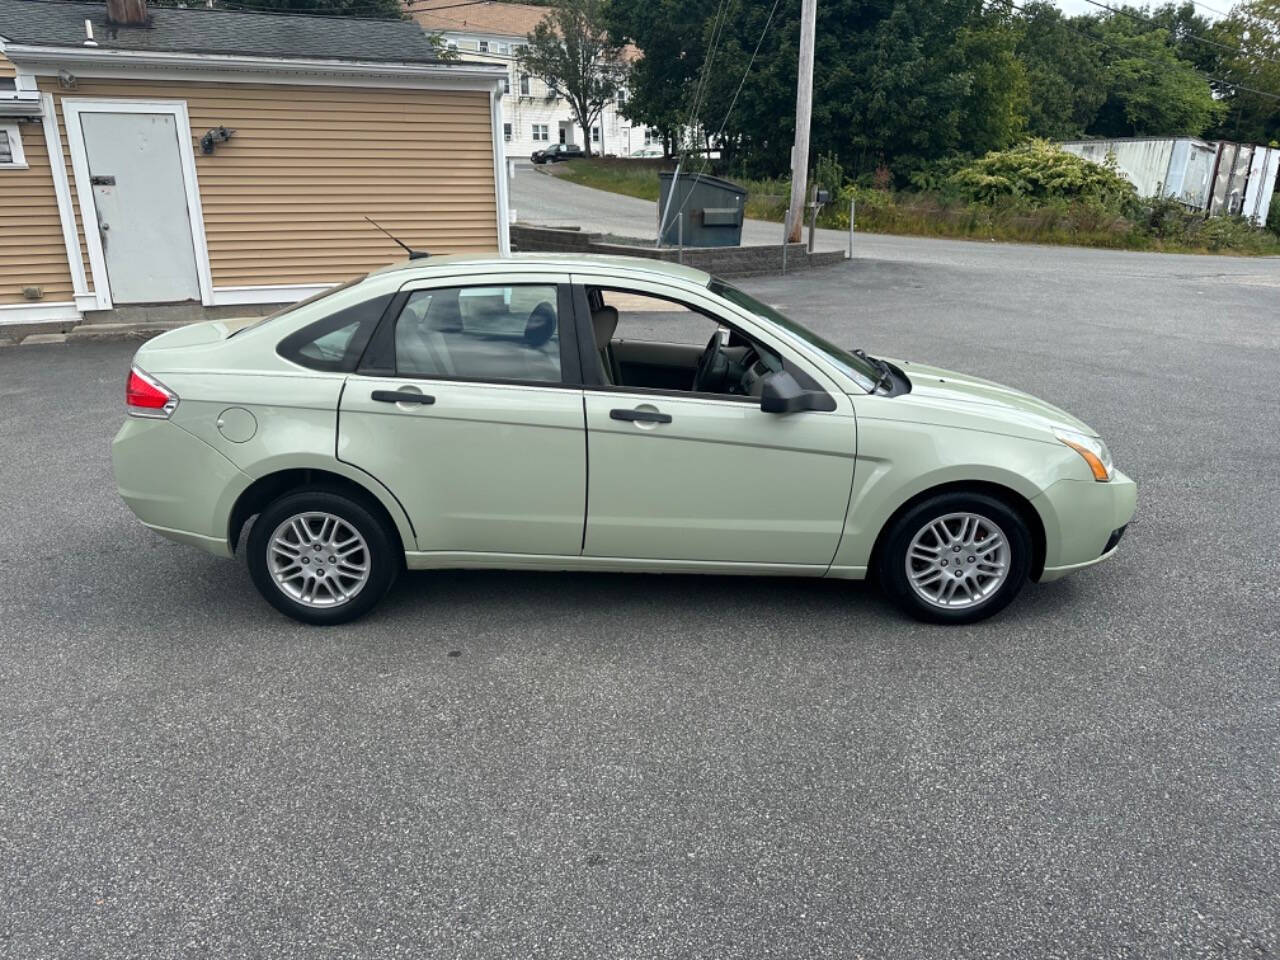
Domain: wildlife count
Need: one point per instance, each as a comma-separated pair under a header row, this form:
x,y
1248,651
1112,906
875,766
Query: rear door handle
x,y
403,396
642,416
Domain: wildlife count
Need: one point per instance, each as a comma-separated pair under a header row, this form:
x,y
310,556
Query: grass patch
x,y
1160,226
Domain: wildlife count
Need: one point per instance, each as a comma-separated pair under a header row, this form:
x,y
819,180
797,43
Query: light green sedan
x,y
587,413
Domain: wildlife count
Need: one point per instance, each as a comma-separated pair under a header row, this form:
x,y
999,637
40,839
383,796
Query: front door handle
x,y
641,416
403,396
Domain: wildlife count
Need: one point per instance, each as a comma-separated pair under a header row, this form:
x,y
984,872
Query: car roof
x,y
424,269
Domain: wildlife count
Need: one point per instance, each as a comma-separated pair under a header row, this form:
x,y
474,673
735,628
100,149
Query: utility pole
x,y
804,107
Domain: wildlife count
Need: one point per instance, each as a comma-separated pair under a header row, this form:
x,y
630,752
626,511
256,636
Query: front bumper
x,y
176,484
1081,518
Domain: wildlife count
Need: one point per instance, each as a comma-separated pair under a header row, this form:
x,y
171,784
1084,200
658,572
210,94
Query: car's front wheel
x,y
956,558
321,557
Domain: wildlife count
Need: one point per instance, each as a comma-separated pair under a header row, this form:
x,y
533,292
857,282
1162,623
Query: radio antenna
x,y
413,254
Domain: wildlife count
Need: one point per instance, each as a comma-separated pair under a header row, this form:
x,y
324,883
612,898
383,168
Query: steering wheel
x,y
713,368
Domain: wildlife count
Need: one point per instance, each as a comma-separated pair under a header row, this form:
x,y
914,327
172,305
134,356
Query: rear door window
x,y
509,332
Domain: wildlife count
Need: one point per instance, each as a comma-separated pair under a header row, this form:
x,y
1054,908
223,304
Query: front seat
x,y
604,322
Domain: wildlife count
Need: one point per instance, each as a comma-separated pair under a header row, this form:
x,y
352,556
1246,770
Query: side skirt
x,y
463,560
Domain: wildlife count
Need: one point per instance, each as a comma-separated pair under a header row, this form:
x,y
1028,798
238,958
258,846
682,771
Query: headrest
x,y
604,322
445,313
541,325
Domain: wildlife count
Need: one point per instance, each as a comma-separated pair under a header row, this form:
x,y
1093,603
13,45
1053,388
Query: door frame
x,y
72,109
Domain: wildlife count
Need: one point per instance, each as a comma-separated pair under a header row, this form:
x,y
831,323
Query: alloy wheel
x,y
958,560
318,559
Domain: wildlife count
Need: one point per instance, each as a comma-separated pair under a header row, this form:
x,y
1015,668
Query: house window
x,y
11,154
540,133
506,132
648,138
524,85
506,84
622,97
595,134
484,46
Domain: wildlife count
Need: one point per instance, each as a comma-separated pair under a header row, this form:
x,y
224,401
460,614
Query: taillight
x,y
145,396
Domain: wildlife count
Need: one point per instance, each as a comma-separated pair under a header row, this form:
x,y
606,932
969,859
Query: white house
x,y
490,32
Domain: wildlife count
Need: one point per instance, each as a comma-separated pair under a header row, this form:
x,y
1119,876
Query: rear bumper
x,y
1083,521
176,484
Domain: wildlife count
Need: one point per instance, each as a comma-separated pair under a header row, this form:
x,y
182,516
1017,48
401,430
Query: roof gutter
x,y
91,61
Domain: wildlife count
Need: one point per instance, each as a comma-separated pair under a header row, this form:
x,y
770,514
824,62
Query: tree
x,y
1251,114
1150,91
1064,72
671,36
571,51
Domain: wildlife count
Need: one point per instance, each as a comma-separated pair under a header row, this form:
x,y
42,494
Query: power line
x,y
1194,36
1211,9
732,103
704,81
1096,37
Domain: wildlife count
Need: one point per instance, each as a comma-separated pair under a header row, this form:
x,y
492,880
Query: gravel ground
x,y
562,766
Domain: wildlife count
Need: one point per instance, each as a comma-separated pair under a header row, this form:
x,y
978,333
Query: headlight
x,y
1093,450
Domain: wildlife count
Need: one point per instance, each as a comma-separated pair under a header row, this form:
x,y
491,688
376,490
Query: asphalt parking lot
x,y
562,766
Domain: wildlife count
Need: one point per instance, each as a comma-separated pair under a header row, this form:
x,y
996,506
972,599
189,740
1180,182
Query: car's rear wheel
x,y
321,557
956,558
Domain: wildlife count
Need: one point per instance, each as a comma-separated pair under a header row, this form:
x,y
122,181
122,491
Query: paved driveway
x,y
547,200
518,765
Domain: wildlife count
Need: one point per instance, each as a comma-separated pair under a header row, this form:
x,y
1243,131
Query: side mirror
x,y
781,393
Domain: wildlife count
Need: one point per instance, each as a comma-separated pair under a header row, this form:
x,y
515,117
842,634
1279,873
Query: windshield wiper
x,y
886,372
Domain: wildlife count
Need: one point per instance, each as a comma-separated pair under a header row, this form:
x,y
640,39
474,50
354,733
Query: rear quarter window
x,y
335,343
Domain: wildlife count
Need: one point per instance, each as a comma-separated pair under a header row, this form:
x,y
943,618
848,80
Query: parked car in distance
x,y
557,152
567,412
646,153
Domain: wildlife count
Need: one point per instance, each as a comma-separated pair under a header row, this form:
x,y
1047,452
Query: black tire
x,y
892,558
383,556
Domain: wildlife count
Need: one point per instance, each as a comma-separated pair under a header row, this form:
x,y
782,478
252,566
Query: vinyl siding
x,y
284,199
6,68
32,252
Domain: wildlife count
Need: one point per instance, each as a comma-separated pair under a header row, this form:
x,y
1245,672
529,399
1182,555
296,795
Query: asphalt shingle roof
x,y
60,23
502,19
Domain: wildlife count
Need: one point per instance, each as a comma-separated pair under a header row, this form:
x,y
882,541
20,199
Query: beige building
x,y
226,158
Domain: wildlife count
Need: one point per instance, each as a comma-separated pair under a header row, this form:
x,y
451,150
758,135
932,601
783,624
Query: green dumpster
x,y
701,211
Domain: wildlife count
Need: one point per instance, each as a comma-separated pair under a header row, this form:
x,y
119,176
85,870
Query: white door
x,y
138,189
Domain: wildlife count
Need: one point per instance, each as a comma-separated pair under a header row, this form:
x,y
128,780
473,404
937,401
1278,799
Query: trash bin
x,y
710,210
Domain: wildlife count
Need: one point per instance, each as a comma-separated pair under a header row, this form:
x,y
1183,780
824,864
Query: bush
x,y
1040,172
1273,214
828,174
1166,219
1232,233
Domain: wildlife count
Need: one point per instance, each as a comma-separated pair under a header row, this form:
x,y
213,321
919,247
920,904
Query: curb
x,y
95,333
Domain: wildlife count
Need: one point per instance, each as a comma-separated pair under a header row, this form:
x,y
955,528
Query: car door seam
x,y
337,432
853,476
586,489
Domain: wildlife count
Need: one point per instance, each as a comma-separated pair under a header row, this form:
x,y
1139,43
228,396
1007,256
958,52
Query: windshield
x,y
327,292
860,371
